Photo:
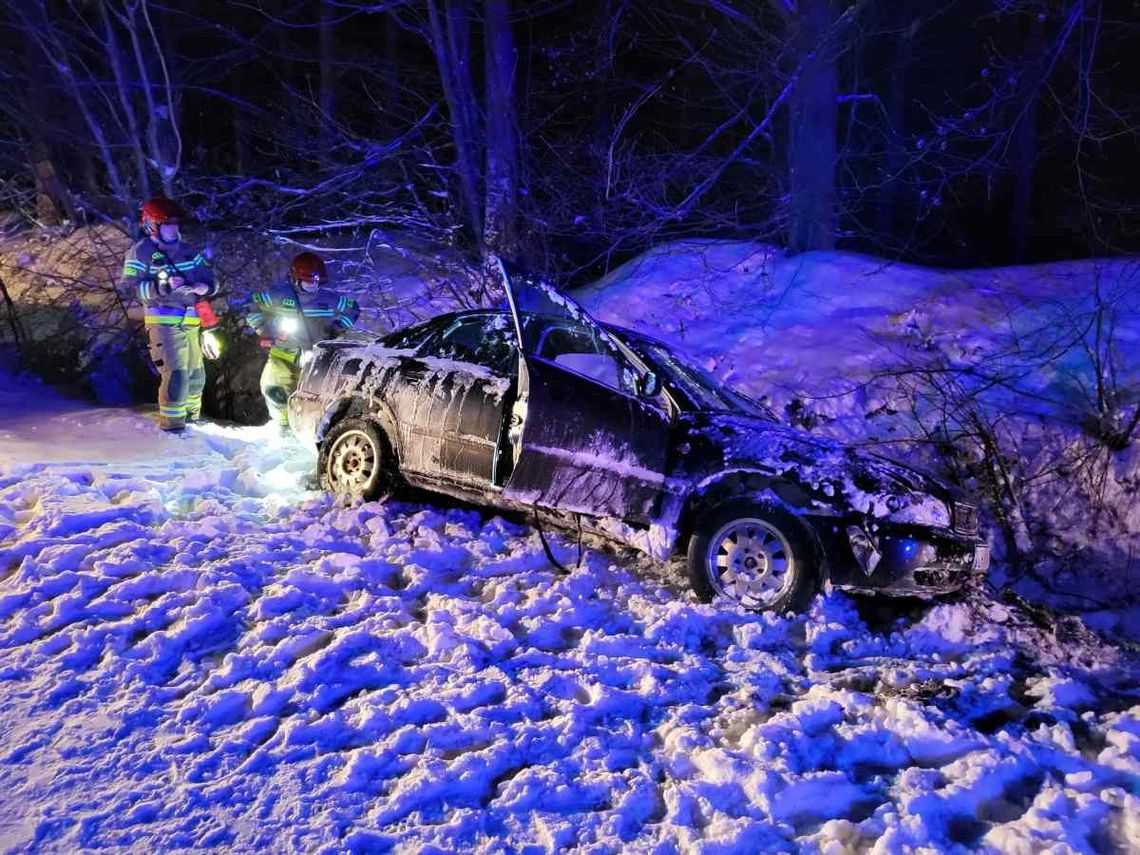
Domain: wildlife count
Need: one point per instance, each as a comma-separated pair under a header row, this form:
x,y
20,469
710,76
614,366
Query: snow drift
x,y
1023,384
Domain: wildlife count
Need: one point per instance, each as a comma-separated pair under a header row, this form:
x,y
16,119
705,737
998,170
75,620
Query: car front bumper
x,y
908,560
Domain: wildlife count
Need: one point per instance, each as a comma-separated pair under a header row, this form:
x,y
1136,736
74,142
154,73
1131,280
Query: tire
x,y
354,460
785,561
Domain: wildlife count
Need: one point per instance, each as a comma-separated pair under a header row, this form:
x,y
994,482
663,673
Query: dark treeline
x,y
573,133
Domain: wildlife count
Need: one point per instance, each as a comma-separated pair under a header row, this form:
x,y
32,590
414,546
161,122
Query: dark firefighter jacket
x,y
147,273
295,320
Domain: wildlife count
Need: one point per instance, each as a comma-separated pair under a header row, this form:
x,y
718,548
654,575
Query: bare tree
x,y
500,220
107,62
450,38
813,117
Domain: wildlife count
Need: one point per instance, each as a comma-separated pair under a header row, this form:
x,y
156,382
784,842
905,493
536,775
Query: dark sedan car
x,y
540,408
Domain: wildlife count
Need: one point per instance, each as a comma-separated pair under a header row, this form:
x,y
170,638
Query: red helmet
x,y
158,212
308,266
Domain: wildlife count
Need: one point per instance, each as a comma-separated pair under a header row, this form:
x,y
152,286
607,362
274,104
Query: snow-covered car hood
x,y
834,476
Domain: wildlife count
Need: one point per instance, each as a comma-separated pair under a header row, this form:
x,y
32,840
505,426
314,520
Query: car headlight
x,y
864,548
965,518
918,509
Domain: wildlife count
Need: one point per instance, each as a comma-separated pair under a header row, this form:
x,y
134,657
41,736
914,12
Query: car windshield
x,y
700,387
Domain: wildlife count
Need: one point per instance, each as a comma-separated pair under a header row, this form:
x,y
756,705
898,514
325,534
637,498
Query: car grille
x,y
965,519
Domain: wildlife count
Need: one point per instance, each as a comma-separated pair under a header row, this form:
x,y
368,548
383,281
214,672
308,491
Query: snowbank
x,y
914,360
821,323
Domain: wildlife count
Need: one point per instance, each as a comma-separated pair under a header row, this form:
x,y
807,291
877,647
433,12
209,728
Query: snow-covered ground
x,y
912,360
198,652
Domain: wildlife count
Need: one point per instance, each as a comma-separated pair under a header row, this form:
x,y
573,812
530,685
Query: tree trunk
x,y
1025,157
813,119
894,158
500,220
451,43
390,97
242,149
288,112
53,201
43,33
602,124
327,93
13,318
126,101
164,141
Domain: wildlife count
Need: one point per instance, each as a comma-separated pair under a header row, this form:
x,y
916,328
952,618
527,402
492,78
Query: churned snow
x,y
197,651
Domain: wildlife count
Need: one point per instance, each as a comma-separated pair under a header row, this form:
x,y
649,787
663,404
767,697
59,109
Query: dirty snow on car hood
x,y
835,475
196,651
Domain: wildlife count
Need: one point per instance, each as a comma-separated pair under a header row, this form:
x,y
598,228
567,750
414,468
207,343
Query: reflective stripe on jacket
x,y
164,316
296,319
147,271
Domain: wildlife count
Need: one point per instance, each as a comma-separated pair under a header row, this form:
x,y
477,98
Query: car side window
x,y
580,349
486,340
410,338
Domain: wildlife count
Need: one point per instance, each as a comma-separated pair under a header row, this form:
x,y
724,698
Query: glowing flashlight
x,y
288,325
211,344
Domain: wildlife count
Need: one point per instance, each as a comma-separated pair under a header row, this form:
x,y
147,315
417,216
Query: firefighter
x,y
174,282
290,319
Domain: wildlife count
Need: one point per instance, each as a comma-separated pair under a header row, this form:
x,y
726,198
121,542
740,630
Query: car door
x,y
452,399
585,440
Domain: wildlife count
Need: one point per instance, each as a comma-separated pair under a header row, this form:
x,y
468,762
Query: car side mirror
x,y
648,385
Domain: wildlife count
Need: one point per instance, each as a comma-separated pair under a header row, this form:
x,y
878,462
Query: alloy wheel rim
x,y
750,562
352,462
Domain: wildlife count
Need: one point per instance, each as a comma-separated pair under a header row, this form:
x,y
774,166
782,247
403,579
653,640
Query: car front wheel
x,y
353,459
755,555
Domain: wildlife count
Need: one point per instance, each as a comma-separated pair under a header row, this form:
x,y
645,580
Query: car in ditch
x,y
538,408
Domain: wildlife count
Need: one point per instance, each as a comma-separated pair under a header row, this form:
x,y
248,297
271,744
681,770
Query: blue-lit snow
x,y
829,332
197,652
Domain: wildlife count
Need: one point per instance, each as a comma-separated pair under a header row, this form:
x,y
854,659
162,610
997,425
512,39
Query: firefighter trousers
x,y
278,380
176,352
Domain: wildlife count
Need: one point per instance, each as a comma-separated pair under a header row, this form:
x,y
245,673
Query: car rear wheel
x,y
755,555
353,460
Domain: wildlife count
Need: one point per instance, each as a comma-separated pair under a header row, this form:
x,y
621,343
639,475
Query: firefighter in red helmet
x,y
174,282
308,271
289,319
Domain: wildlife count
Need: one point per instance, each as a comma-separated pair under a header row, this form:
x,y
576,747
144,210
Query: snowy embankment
x,y
75,326
197,652
1030,374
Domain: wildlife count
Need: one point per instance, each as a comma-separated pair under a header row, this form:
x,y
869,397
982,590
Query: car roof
x,y
637,336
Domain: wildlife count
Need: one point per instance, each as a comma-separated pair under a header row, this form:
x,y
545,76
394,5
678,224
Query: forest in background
x,y
574,134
